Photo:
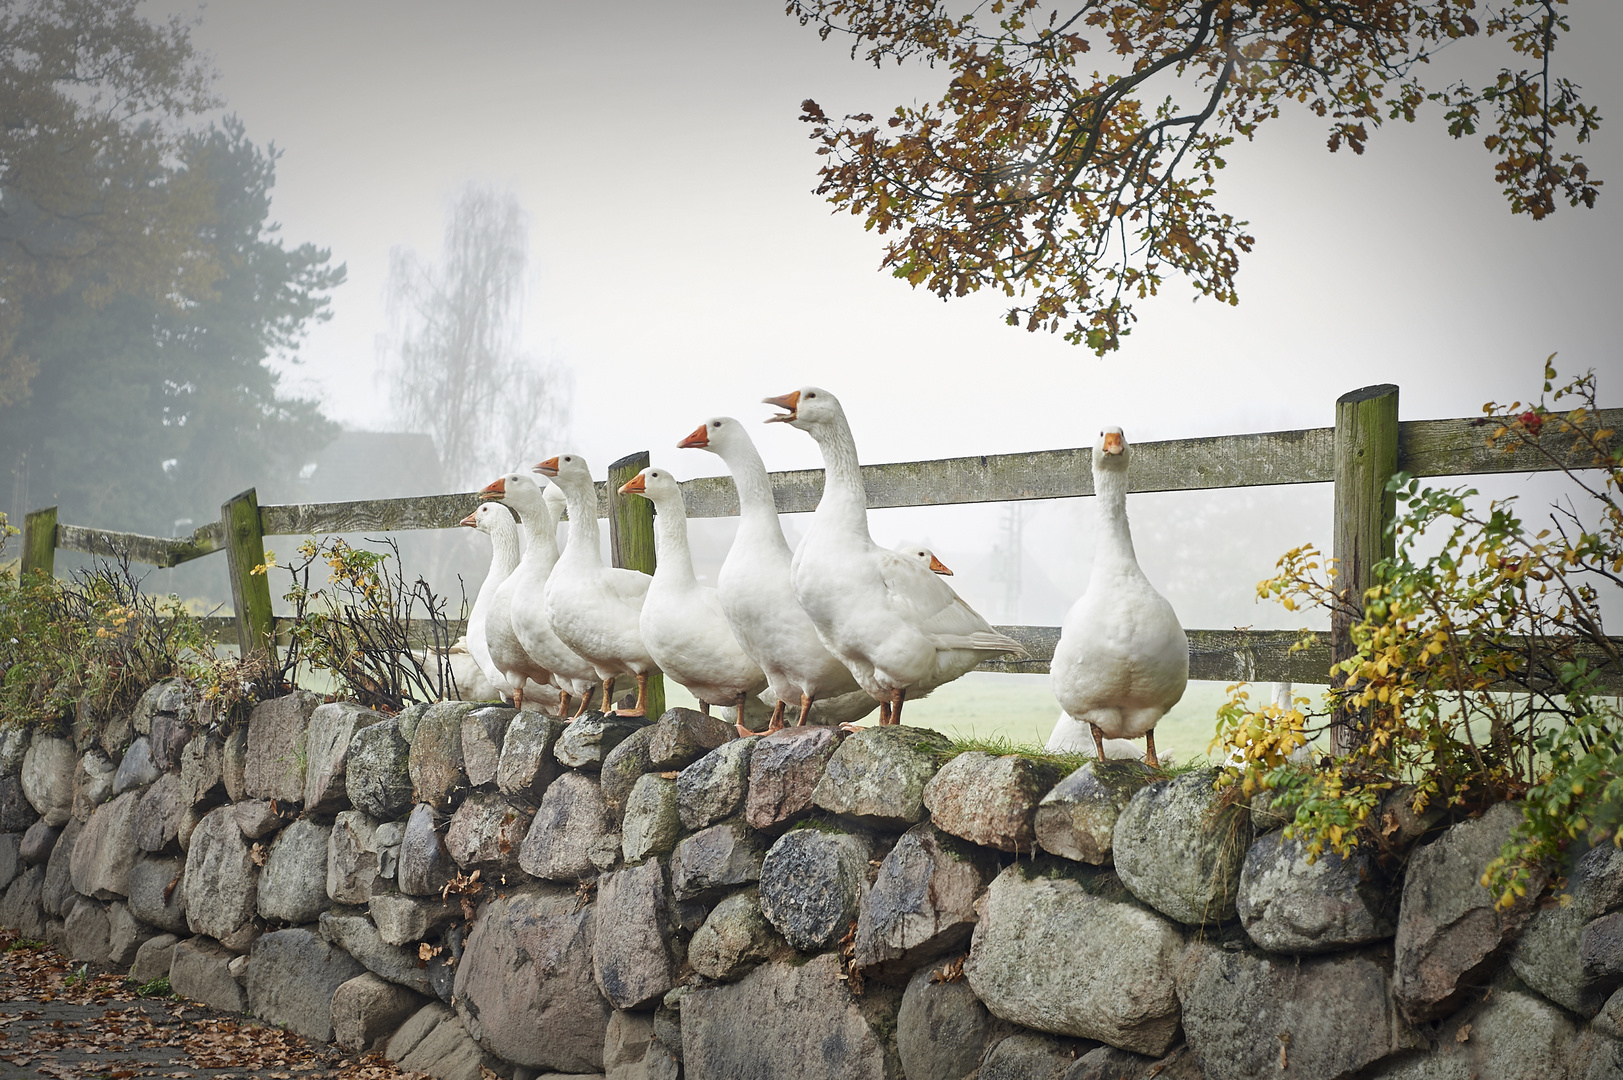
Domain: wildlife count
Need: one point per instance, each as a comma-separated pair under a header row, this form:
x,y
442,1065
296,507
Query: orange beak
x,y
790,401
548,467
939,567
697,441
495,489
1113,443
634,486
469,522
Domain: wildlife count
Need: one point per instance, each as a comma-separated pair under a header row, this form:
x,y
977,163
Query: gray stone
x,y
20,908
483,732
877,776
153,959
116,734
734,939
86,931
14,740
524,986
158,813
406,920
11,860
435,1043
587,741
105,850
942,1029
202,770
1547,955
386,842
157,894
47,778
1600,947
652,822
683,736
1026,1055
201,970
625,1045
92,783
222,880
572,818
714,787
377,772
811,884
188,825
990,800
366,1010
410,717
1064,948
1077,820
1399,825
712,860
398,964
273,767
1594,1056
632,958
437,773
234,764
38,843
1109,1063
332,727
625,765
291,978
147,707
125,935
257,818
486,833
352,858
1178,852
15,811
1510,1035
425,864
922,903
785,768
135,770
781,1021
170,734
1339,1012
1290,905
1449,932
527,764
57,891
293,885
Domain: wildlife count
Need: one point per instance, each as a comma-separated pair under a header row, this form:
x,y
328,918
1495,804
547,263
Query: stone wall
x,y
467,887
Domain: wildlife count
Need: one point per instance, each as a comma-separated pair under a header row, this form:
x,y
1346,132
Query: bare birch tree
x,y
457,369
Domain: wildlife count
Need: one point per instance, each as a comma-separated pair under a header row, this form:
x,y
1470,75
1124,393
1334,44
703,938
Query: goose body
x,y
682,621
758,599
497,525
900,629
595,609
1123,659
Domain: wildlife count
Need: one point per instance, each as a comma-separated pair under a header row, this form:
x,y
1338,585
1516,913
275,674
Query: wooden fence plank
x,y
40,541
151,550
1460,448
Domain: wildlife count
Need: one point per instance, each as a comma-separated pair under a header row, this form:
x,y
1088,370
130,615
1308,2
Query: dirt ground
x,y
65,1022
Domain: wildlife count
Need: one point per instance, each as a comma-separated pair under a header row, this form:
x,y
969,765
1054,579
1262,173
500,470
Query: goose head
x,y
716,435
487,518
655,485
568,471
811,408
1110,451
519,490
926,558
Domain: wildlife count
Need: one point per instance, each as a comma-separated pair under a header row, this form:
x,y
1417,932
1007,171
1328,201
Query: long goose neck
x,y
540,534
583,541
843,494
503,555
1115,538
757,510
673,560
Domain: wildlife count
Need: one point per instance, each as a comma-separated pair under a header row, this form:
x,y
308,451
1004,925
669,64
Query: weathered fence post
x,y
250,592
39,541
631,542
1366,456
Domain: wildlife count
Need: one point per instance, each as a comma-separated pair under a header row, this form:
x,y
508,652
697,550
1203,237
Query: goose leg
x,y
1098,740
641,707
884,713
776,723
704,707
608,692
518,696
585,703
1149,750
896,710
805,709
563,703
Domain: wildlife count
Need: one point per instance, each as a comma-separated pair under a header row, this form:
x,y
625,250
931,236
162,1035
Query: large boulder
x,y
527,764
15,810
877,776
125,935
57,890
1179,852
377,771
406,920
148,705
1077,820
276,747
20,908
202,769
437,771
714,787
11,860
257,818
922,903
434,1043
14,742
398,964
170,734
1548,955
990,800
1064,948
136,768
1025,1055
291,978
1449,932
625,765
425,864
486,832
159,812
652,822
632,956
811,884
47,778
38,843
332,729
352,858
1338,1011
105,850
683,736
157,893
366,1010
222,880
483,732
1509,1035
200,970
154,959
524,986
293,884
86,931
92,783
787,1022
1291,905
785,768
572,818
717,859
942,1029
586,742
734,939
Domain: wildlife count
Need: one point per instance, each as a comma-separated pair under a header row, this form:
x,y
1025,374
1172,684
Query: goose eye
x,y
811,395
715,423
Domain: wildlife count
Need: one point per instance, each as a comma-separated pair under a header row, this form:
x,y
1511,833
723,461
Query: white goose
x,y
899,628
497,524
594,609
1122,660
518,631
759,600
682,622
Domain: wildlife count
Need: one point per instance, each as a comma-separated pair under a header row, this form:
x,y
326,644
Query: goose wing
x,y
927,602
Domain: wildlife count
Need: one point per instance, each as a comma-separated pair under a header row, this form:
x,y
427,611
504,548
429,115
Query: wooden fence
x,y
1358,455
